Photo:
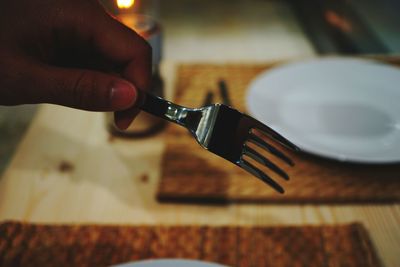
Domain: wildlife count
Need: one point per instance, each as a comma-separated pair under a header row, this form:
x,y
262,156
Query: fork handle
x,y
153,104
162,108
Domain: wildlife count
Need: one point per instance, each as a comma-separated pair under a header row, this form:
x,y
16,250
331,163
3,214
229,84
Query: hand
x,y
71,53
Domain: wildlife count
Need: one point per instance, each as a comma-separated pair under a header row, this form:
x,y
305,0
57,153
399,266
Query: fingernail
x,y
123,95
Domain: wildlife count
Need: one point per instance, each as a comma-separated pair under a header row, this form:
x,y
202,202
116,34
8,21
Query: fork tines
x,y
258,157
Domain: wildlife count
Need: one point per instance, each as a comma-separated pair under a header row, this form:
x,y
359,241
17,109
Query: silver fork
x,y
225,132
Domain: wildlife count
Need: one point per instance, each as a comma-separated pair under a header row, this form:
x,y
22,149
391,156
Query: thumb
x,y
85,89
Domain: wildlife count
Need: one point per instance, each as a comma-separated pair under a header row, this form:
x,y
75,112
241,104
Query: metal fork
x,y
225,132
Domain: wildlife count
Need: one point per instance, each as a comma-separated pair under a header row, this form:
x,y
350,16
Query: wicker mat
x,y
79,246
190,173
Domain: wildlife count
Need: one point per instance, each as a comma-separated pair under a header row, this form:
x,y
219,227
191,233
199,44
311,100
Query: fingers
x,y
91,90
121,44
75,25
84,89
124,45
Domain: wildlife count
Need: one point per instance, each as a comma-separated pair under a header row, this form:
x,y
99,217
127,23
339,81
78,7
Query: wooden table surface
x,y
66,170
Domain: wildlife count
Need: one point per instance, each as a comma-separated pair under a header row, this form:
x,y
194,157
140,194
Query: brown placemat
x,y
89,245
190,173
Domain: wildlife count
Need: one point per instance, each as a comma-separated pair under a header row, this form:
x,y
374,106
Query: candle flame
x,y
123,4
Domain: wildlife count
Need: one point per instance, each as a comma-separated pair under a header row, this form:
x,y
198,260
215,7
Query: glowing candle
x,y
125,4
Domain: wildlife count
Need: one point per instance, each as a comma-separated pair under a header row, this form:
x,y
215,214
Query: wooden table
x,y
65,170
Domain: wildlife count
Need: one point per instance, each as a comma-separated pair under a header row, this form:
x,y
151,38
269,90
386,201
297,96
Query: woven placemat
x,y
81,246
190,173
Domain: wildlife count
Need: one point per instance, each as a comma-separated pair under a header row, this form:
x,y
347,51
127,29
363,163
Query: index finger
x,y
121,44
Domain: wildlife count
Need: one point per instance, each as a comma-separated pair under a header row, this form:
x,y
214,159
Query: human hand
x,y
71,53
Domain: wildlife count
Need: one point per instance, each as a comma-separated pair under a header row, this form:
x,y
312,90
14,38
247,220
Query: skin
x,y
71,53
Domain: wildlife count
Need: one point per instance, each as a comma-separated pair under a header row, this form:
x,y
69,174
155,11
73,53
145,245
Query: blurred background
x,y
250,30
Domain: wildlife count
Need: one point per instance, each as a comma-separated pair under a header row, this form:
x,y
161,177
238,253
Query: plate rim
x,y
340,157
169,260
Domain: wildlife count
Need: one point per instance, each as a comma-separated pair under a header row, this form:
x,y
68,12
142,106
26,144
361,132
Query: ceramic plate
x,y
340,108
170,263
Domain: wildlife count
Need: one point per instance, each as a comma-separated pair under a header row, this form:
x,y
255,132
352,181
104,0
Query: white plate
x,y
339,108
170,263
